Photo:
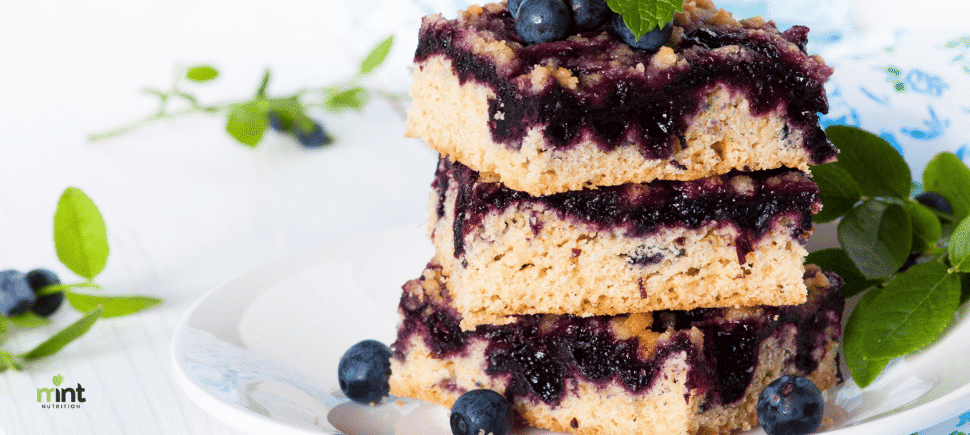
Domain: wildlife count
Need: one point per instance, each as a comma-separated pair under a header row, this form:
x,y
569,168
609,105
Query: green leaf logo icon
x,y
57,380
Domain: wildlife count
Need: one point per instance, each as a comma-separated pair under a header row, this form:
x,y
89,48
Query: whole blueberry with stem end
x,y
935,201
790,405
589,14
315,137
541,21
16,297
47,304
650,41
481,410
364,371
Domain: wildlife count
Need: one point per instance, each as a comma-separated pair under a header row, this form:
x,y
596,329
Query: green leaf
x,y
836,260
910,312
3,326
642,16
113,306
947,175
80,237
964,288
959,247
377,55
877,237
29,320
286,110
353,98
9,361
863,369
247,122
837,190
926,226
201,73
65,336
872,162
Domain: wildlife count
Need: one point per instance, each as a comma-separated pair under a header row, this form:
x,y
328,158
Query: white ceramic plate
x,y
260,352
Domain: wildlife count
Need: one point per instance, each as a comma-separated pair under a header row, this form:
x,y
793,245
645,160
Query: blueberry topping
x,y
16,297
541,21
589,14
315,137
481,410
790,405
935,201
684,204
513,7
48,304
650,41
364,371
649,113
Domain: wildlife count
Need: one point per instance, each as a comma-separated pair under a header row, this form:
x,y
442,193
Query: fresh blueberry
x,y
651,40
364,371
316,137
935,201
541,21
513,7
790,405
589,14
481,410
16,297
44,305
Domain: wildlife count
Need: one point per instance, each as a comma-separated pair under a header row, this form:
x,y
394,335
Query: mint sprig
x,y
247,119
81,242
910,262
642,16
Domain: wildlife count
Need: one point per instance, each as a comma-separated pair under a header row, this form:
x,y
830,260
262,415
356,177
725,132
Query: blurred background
x,y
187,207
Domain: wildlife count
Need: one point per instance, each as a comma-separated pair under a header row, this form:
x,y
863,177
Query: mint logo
x,y
61,395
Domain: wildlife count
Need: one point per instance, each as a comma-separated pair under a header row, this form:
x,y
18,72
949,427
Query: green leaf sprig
x,y
247,119
81,242
642,16
911,263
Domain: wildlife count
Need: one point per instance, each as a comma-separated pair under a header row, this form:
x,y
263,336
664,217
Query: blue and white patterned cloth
x,y
914,92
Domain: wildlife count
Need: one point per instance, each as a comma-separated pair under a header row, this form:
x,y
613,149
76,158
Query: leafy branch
x,y
81,242
248,118
909,261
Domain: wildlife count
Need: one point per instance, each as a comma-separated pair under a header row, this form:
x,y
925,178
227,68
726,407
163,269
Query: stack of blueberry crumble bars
x,y
619,229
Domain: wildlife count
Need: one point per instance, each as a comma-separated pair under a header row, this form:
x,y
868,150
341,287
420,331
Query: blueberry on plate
x,y
16,297
790,405
481,410
935,201
315,137
541,21
48,304
650,41
364,371
589,14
